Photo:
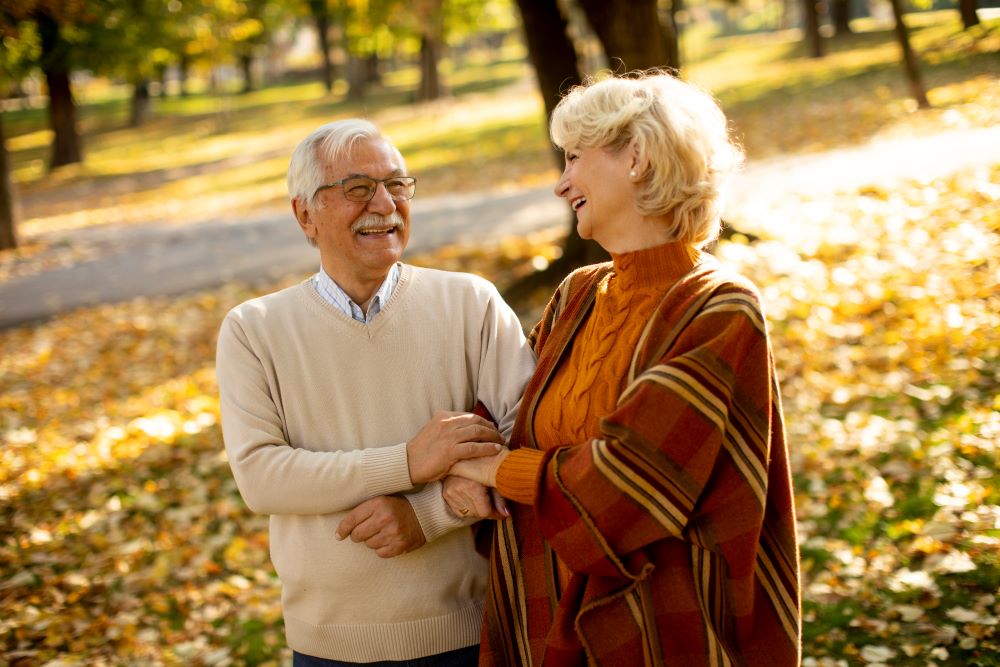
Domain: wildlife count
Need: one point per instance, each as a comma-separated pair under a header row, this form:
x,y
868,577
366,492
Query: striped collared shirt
x,y
337,297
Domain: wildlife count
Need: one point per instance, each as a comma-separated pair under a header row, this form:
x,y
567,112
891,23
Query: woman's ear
x,y
638,164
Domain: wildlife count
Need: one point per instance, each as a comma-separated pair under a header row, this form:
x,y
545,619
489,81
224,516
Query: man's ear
x,y
301,211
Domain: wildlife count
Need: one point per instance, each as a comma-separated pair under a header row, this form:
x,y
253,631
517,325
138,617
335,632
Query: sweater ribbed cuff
x,y
432,512
517,476
386,470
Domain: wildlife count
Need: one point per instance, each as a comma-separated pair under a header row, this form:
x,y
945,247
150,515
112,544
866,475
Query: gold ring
x,y
464,511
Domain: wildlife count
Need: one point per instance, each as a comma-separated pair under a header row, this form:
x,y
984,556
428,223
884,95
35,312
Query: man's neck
x,y
360,292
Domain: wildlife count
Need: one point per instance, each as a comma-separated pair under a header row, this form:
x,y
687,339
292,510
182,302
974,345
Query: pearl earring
x,y
633,174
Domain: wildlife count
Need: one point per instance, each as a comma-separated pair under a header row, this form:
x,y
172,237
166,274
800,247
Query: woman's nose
x,y
562,186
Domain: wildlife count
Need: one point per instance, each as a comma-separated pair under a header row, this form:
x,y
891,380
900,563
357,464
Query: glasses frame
x,y
383,181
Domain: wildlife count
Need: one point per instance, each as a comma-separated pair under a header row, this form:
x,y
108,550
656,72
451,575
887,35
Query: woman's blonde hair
x,y
680,134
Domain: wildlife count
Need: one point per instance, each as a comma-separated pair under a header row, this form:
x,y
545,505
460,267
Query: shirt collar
x,y
331,292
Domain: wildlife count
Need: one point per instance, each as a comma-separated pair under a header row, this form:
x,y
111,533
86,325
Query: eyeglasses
x,y
362,188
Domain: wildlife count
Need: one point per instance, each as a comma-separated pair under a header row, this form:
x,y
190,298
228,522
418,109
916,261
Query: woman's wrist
x,y
497,462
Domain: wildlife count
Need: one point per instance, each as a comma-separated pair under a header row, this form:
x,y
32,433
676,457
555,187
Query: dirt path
x,y
160,260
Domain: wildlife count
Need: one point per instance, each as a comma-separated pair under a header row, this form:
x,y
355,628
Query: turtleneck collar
x,y
655,266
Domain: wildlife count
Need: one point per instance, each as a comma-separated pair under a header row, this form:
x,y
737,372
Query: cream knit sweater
x,y
316,412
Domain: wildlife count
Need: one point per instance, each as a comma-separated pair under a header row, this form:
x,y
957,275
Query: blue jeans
x,y
463,657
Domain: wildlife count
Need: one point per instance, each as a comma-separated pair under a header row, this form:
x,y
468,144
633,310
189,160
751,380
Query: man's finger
x,y
474,450
390,551
378,540
365,530
350,522
482,433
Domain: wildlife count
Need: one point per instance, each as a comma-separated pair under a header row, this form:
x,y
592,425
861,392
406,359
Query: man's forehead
x,y
367,154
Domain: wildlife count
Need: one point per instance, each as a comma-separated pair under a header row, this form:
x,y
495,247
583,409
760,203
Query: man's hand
x,y
466,499
482,470
386,524
449,437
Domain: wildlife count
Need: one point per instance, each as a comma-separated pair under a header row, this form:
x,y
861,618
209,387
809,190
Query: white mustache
x,y
375,221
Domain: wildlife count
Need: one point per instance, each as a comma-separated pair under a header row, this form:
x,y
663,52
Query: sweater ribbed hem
x,y
387,641
386,470
432,512
517,476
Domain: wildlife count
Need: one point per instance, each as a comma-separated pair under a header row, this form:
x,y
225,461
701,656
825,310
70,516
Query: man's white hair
x,y
326,145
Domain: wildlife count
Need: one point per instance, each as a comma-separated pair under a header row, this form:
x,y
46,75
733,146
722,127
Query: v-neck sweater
x,y
316,411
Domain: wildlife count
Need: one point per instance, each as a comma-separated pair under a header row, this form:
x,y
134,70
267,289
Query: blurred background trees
x,y
162,48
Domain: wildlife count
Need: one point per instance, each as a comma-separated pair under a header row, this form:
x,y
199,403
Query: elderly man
x,y
346,398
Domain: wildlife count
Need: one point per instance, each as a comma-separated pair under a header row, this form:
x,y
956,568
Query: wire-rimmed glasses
x,y
362,188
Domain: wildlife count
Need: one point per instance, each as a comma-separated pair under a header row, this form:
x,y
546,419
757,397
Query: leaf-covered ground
x,y
123,539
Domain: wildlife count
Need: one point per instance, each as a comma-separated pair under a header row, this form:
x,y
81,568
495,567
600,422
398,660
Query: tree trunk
x,y
62,110
183,66
969,17
246,64
630,33
372,73
810,19
554,59
840,14
8,228
550,50
322,16
672,35
357,78
139,110
430,78
909,58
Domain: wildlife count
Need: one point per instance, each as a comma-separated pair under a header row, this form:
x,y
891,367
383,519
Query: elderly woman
x,y
653,520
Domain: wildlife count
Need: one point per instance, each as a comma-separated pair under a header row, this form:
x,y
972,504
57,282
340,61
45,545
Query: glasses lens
x,y
359,189
401,188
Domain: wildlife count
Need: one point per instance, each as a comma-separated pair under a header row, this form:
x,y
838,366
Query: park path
x,y
160,259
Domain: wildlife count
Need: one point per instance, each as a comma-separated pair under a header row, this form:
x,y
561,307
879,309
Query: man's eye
x,y
359,190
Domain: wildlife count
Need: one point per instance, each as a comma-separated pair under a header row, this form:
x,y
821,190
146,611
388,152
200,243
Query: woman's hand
x,y
468,499
482,469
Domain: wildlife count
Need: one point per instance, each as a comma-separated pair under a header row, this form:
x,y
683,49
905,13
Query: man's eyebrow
x,y
394,172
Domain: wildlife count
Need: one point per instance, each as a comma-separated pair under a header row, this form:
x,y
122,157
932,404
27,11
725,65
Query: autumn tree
x,y
810,18
21,49
910,64
630,33
8,225
840,16
252,30
319,10
967,8
106,36
53,21
134,40
430,28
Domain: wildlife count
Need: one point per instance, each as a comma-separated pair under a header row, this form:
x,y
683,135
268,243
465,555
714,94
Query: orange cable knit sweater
x,y
587,385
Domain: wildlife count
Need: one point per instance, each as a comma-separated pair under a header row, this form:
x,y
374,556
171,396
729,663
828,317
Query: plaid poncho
x,y
678,523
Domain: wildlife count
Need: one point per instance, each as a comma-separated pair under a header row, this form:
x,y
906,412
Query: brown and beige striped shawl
x,y
678,524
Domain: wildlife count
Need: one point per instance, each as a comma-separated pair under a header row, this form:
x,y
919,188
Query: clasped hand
x,y
450,437
388,524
